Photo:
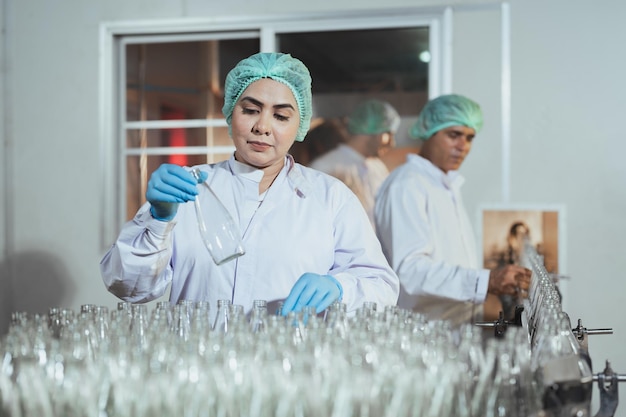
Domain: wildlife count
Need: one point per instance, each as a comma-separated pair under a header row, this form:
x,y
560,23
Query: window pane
x,y
186,77
179,137
364,61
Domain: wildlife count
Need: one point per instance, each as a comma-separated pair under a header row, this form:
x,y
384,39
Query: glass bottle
x,y
201,317
337,320
258,317
220,235
221,319
295,319
139,325
181,324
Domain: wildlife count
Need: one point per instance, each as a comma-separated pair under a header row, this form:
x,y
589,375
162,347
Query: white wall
x,y
567,102
5,289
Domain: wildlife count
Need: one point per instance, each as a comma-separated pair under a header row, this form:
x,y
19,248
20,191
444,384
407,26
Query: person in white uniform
x,y
423,225
371,128
307,238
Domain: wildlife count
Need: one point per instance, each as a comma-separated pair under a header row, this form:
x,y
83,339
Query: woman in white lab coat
x,y
308,240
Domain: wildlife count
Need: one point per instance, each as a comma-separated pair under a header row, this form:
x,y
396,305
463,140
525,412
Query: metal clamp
x,y
581,333
501,324
607,384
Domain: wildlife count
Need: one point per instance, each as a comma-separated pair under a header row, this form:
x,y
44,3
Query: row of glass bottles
x,y
173,361
557,357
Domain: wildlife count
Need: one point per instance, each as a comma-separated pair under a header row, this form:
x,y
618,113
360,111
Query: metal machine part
x,y
582,333
608,386
566,395
500,326
565,374
567,390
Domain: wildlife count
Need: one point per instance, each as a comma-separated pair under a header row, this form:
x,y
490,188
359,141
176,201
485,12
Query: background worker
x,y
423,225
371,128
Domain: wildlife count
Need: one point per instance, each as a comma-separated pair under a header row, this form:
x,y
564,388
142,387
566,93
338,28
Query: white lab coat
x,y
363,176
307,221
428,240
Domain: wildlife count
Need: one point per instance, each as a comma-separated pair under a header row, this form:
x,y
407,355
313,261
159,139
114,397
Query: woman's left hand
x,y
315,290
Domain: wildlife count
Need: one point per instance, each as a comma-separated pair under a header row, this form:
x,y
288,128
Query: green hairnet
x,y
446,111
279,67
373,117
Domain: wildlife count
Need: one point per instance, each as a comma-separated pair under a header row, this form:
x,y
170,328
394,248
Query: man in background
x,y
424,228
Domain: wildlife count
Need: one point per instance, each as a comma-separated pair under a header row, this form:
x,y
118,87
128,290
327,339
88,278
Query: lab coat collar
x,y
245,170
299,184
451,179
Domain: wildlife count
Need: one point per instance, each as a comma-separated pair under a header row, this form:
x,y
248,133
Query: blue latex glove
x,y
170,185
313,290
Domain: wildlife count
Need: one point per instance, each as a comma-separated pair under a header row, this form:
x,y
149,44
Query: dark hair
x,y
514,226
319,140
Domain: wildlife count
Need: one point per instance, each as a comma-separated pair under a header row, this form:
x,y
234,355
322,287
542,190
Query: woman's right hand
x,y
509,280
170,185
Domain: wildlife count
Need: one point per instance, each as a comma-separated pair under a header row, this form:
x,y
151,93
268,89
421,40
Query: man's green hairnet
x,y
446,111
373,117
279,67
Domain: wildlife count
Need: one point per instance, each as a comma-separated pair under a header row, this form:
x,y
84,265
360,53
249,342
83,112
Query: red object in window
x,y
175,136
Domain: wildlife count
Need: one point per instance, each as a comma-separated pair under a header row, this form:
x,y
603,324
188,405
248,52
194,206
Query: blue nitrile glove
x,y
313,290
170,185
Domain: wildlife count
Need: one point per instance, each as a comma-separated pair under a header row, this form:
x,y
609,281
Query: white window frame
x,y
114,36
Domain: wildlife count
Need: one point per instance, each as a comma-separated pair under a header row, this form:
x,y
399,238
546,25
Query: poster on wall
x,y
502,228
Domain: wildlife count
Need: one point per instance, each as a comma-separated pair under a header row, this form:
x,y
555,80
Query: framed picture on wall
x,y
503,226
